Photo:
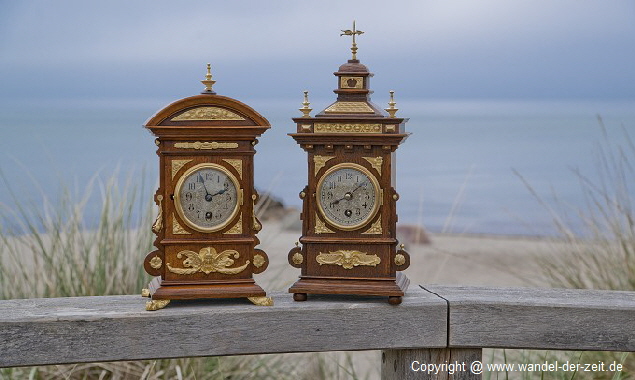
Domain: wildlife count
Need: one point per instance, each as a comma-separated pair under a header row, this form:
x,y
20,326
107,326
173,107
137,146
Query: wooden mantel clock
x,y
206,228
349,216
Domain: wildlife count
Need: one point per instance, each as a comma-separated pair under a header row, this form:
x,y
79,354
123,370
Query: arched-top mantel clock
x,y
349,215
206,227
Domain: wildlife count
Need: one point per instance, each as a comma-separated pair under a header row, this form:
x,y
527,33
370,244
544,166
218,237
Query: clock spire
x,y
208,82
354,32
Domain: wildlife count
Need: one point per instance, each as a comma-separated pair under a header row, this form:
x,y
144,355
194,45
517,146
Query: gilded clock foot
x,y
394,300
156,304
299,297
145,292
261,301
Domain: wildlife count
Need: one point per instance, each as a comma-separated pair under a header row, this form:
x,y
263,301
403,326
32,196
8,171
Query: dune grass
x,y
50,249
600,254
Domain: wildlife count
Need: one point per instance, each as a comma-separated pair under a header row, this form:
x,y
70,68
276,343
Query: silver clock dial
x,y
207,197
348,196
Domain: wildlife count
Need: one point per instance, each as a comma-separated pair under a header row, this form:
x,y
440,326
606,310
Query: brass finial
x,y
306,110
208,82
392,110
353,33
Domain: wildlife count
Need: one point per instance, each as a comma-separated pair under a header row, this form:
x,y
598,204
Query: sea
x,y
504,167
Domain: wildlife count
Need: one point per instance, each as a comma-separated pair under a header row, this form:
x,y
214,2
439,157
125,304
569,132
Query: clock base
x,y
159,290
394,288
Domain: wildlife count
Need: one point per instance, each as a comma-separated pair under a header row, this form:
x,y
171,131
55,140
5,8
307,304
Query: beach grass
x,y
48,249
600,255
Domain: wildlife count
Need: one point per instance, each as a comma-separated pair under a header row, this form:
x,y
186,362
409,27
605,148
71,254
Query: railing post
x,y
432,364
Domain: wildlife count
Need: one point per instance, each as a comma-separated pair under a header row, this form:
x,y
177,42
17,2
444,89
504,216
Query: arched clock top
x,y
208,110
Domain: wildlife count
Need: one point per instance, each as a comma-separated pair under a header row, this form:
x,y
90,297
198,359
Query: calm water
x,y
455,172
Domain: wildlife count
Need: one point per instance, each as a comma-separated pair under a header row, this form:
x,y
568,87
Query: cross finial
x,y
354,32
208,82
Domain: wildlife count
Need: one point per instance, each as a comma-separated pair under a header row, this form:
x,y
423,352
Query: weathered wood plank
x,y
91,329
566,319
431,364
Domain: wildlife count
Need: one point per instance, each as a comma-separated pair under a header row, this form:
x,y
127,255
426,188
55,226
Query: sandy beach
x,y
450,259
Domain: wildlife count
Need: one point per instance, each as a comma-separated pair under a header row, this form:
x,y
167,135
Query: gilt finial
x,y
354,32
208,82
306,110
391,109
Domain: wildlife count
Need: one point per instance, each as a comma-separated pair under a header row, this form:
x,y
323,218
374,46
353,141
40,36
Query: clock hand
x,y
219,192
349,195
358,187
208,196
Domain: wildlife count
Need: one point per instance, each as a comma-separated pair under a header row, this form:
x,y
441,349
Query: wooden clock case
x,y
364,261
206,128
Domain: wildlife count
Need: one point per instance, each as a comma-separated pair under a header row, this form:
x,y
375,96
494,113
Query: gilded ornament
x,y
321,228
297,258
207,260
256,224
348,259
320,162
346,128
349,107
156,304
306,127
208,82
237,164
207,113
145,292
177,229
306,111
258,260
353,33
400,259
157,226
375,162
237,228
261,301
177,165
392,110
156,262
391,128
351,82
198,145
375,229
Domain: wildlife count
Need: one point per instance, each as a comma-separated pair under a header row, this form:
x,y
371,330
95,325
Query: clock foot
x,y
261,301
299,297
156,304
394,300
145,292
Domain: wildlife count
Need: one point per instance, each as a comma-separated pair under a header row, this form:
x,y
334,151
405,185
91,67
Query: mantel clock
x,y
206,227
349,215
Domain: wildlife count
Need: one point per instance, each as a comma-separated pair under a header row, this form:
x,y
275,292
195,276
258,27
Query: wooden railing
x,y
434,324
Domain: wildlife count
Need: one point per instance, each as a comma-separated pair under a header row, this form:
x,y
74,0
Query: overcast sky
x,y
551,49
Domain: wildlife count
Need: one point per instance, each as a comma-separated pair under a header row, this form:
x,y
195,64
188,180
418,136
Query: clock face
x,y
348,196
207,197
